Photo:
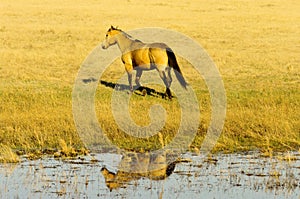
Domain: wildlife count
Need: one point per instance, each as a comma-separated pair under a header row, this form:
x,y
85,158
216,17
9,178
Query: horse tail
x,y
174,64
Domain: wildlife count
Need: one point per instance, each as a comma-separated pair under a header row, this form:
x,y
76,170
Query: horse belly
x,y
142,60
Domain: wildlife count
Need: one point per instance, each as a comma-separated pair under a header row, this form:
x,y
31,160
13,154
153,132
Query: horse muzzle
x,y
103,46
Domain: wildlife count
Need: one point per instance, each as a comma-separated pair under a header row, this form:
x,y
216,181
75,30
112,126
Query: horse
x,y
140,56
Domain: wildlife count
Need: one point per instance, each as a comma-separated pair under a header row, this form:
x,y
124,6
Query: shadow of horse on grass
x,y
138,90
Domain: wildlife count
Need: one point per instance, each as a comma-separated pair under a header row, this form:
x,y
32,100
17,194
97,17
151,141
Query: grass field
x,y
255,44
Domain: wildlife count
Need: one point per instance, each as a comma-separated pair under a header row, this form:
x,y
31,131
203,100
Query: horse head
x,y
110,37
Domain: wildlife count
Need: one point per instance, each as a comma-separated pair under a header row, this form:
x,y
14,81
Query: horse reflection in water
x,y
134,166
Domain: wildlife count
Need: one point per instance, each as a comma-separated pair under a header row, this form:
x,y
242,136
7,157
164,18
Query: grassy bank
x,y
255,45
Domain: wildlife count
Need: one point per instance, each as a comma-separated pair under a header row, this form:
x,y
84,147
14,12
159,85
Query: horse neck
x,y
124,42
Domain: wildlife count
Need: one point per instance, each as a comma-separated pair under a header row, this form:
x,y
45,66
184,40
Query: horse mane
x,y
127,35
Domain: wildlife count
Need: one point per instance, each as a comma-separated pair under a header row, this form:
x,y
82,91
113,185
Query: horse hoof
x,y
166,96
144,92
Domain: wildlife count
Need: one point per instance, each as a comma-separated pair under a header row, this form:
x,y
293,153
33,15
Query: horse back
x,y
158,54
147,56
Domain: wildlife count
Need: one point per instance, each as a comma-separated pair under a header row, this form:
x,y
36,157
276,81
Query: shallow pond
x,y
246,175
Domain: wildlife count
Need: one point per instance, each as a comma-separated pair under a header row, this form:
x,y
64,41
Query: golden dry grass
x,y
255,44
7,155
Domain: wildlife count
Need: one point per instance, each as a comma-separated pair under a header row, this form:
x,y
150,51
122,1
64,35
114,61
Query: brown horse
x,y
140,56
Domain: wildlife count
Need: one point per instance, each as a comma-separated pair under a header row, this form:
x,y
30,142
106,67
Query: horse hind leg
x,y
169,77
168,93
167,82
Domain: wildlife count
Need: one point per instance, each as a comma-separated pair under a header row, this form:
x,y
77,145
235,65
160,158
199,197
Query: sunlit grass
x,y
253,43
7,155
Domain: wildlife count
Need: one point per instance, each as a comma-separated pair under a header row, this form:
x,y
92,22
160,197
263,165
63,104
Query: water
x,y
246,175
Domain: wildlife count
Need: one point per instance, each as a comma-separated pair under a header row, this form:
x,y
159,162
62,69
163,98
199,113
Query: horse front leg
x,y
130,81
139,73
129,69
